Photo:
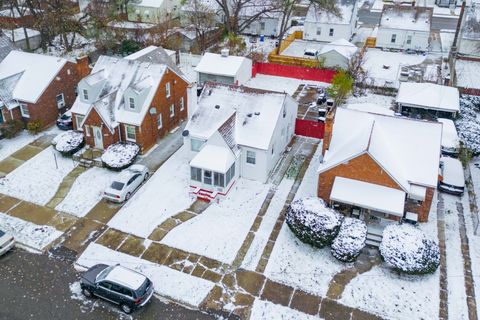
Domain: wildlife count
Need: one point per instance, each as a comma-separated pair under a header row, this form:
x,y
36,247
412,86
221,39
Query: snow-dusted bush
x,y
468,123
120,155
408,249
313,222
68,142
350,240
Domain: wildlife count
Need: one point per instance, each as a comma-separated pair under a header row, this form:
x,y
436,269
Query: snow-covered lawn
x,y
29,234
467,73
264,310
81,47
371,98
218,233
167,282
280,84
86,191
254,253
164,195
38,179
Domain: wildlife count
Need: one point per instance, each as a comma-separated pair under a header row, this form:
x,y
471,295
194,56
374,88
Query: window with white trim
x,y
207,177
251,157
87,130
409,39
60,101
218,179
319,31
182,104
85,94
131,103
172,111
159,121
130,133
24,110
230,174
394,38
167,89
78,121
330,33
196,174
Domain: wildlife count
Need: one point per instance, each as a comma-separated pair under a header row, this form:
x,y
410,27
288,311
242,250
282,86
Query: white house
x,y
323,26
337,53
428,98
223,68
153,11
404,27
237,132
209,7
268,23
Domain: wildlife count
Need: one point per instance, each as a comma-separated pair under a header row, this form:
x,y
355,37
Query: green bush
x,y
35,126
11,128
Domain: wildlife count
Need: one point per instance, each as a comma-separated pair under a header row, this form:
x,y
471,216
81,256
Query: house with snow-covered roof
x,y
137,100
327,26
404,27
267,23
153,11
337,54
428,100
236,132
36,87
379,168
223,68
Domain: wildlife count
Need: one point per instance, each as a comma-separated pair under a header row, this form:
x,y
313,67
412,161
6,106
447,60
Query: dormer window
x,y
85,94
131,103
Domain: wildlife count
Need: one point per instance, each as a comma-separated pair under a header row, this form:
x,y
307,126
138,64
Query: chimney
x,y
225,52
327,136
83,67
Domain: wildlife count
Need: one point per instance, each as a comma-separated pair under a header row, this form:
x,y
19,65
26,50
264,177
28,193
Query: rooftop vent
x,y
217,107
185,133
249,115
225,52
257,113
210,92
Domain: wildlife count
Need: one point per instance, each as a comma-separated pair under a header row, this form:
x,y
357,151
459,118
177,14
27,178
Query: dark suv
x,y
124,287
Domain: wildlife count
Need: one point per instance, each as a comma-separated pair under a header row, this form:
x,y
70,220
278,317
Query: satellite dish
x,y
185,133
153,111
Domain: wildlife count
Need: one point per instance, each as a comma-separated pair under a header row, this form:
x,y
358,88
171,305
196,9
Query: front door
x,y
98,137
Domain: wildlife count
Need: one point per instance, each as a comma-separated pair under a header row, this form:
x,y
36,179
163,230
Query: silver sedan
x,y
126,183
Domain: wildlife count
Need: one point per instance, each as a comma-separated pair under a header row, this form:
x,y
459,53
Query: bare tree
x,y
356,69
18,9
202,18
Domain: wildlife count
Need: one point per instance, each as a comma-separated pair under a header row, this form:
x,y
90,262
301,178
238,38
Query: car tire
x,y
126,308
87,293
145,178
127,196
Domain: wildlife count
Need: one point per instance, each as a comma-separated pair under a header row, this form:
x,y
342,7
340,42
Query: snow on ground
x,y
446,38
280,84
264,310
188,62
297,47
218,233
86,191
264,47
164,195
468,73
38,179
308,187
167,282
29,234
374,99
255,251
81,47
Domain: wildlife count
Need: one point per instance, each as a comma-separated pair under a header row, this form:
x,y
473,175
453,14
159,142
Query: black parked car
x,y
124,287
65,122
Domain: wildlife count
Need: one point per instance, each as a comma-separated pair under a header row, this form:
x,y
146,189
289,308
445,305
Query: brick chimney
x,y
83,67
327,136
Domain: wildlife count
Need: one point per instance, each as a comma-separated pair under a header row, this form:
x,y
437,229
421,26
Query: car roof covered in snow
x,y
126,277
452,172
429,95
406,17
36,72
342,46
212,63
345,16
256,113
449,134
408,150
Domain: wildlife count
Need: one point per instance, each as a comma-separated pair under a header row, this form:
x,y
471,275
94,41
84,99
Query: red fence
x,y
309,128
303,73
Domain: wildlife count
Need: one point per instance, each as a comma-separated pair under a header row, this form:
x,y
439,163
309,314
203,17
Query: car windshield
x,y
103,273
117,185
65,117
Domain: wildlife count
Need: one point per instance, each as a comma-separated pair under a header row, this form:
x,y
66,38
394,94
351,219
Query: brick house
x,y
35,87
379,168
133,99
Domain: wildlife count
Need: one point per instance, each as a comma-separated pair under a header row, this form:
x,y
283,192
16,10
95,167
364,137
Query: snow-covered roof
x,y
471,24
468,73
429,96
345,16
213,158
371,108
127,277
6,45
256,113
408,150
406,17
19,34
368,195
449,134
212,63
37,70
148,3
342,46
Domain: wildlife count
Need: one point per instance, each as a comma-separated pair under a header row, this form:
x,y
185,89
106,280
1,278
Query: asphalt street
x,y
34,286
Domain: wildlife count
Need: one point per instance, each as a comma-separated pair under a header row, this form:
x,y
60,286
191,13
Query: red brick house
x,y
35,87
133,99
379,167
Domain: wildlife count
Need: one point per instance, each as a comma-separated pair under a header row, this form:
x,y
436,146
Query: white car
x,y
126,182
310,53
7,242
451,177
450,141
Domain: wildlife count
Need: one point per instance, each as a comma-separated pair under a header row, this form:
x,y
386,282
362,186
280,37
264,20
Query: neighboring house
x,y
35,87
379,168
428,100
337,54
153,11
187,40
404,27
237,132
17,36
469,39
223,68
268,23
323,26
12,18
137,100
209,8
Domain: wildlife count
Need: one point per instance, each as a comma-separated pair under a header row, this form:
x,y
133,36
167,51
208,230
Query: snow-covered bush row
x,y
350,240
408,249
468,123
68,142
120,155
313,222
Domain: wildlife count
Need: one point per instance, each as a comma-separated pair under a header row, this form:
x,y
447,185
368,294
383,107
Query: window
x,y
130,133
78,121
251,157
85,94
24,110
60,101
87,131
207,177
69,72
319,31
131,103
196,144
394,38
218,179
182,104
167,89
409,39
106,285
172,111
262,26
1,117
330,32
196,174
230,174
159,121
